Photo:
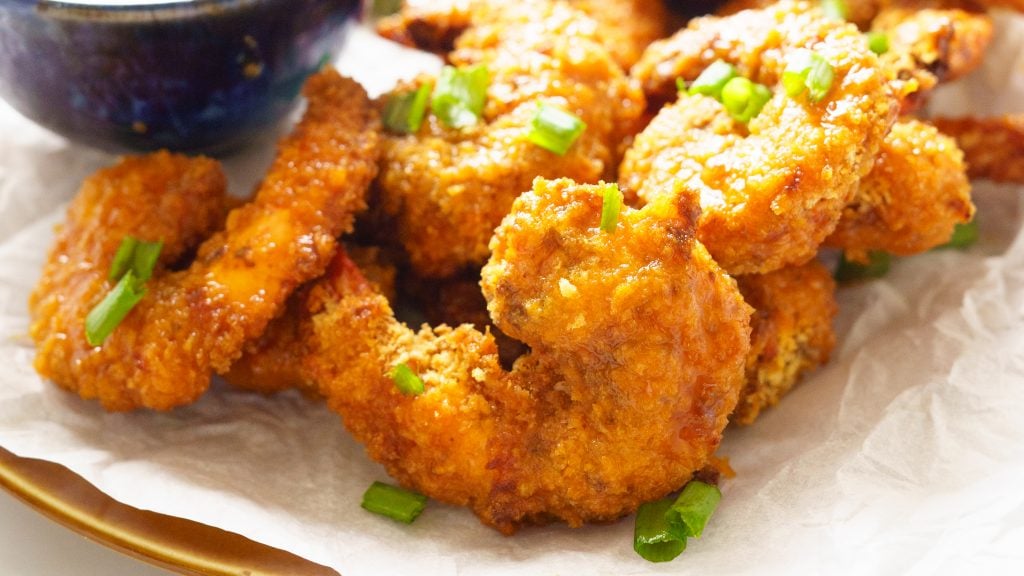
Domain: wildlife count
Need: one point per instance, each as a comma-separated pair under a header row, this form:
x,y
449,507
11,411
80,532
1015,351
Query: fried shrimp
x,y
993,147
626,27
637,341
773,189
913,198
928,41
448,188
159,197
792,332
195,321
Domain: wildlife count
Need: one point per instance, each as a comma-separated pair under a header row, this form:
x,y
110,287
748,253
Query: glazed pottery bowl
x,y
190,75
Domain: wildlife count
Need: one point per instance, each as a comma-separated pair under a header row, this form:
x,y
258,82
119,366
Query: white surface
x,y
32,545
904,455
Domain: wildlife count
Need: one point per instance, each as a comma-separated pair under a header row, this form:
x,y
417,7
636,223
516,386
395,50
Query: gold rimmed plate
x,y
172,543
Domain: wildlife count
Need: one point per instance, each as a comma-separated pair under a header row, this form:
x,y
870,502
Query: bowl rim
x,y
147,11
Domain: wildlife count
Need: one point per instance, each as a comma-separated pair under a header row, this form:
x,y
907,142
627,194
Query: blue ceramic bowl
x,y
191,75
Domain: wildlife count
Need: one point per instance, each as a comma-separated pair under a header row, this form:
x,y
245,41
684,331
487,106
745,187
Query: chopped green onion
x,y
690,513
394,502
611,205
744,99
381,8
406,380
653,539
878,42
460,95
554,129
123,258
106,315
877,266
144,259
808,71
680,85
964,235
404,112
713,79
835,9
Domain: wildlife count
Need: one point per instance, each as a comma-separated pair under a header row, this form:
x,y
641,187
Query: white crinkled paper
x,y
905,455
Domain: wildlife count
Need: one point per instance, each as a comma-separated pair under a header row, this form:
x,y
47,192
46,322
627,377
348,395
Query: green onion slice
x,y
554,129
713,79
106,315
877,266
744,99
460,95
123,258
811,72
964,235
878,42
144,259
406,380
653,539
690,513
835,9
404,112
611,205
394,502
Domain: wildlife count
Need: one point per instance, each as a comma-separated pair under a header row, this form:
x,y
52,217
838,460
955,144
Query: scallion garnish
x,y
132,266
878,42
611,205
106,315
744,99
713,79
554,129
690,513
964,235
809,72
405,111
835,9
394,502
406,380
878,265
653,539
460,95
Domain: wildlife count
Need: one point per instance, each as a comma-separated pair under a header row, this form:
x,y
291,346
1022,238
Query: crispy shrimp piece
x,y
792,332
196,321
994,147
930,41
770,191
158,197
913,198
448,188
626,27
638,342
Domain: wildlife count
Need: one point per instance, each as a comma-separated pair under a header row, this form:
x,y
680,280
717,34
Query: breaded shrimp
x,y
638,342
448,188
773,189
929,41
792,332
626,27
993,147
160,197
193,322
913,198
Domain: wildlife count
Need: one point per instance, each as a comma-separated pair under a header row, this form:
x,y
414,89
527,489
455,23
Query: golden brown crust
x,y
913,198
993,147
626,26
158,197
638,341
448,188
791,332
771,191
196,321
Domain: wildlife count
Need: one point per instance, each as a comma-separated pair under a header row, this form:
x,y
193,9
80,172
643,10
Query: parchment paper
x,y
905,455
